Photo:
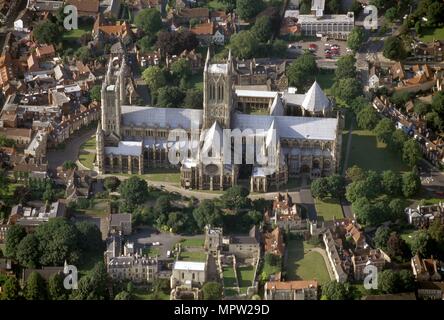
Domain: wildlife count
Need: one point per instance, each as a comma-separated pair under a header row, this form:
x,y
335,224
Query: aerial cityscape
x,y
221,150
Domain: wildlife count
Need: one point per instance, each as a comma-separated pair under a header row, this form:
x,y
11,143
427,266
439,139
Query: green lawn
x,y
163,175
141,294
368,153
229,277
192,243
151,251
99,209
193,256
430,34
328,209
305,266
75,34
407,236
246,275
86,154
325,80
216,5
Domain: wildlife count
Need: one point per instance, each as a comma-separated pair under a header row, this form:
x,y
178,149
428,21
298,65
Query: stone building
x,y
134,140
291,290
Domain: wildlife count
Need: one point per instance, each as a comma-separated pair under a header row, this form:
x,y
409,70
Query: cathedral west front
x,y
300,133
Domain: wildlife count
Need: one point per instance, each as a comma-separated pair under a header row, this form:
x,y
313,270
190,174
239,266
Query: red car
x,y
312,46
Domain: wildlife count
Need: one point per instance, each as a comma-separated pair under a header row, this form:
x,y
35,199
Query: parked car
x,y
313,46
156,244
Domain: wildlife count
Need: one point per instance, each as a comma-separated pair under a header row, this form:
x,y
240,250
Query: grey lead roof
x,y
290,127
161,117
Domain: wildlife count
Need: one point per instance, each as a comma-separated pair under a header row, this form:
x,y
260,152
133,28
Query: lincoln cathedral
x,y
134,140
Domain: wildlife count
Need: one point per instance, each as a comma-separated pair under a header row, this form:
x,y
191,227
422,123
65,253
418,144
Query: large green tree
x,y
170,97
212,291
367,118
154,77
35,288
14,235
207,213
248,9
149,20
10,289
394,49
347,89
411,183
244,45
391,183
345,67
355,38
411,153
235,198
263,29
56,289
94,285
194,99
47,32
134,191
28,252
384,130
302,72
334,290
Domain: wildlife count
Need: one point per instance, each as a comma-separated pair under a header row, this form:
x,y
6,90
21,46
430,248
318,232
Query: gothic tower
x,y
111,103
217,93
100,149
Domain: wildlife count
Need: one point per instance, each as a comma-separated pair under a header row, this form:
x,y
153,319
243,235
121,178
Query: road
x,y
432,178
56,158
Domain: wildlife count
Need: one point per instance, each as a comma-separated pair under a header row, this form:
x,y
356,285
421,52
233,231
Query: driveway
x,y
147,235
56,158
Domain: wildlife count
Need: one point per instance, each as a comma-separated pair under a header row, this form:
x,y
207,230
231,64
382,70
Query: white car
x,y
327,44
155,244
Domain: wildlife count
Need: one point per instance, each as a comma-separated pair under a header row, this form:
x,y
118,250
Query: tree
x,y
397,207
367,118
84,54
302,72
411,183
406,281
388,281
235,198
49,194
123,295
398,139
334,6
149,21
134,191
35,288
384,130
56,290
334,290
69,165
382,235
244,45
212,291
396,246
181,69
356,190
170,97
365,212
28,251
263,29
90,237
345,67
347,89
400,98
434,120
248,9
10,289
355,173
435,13
174,43
421,242
336,185
207,213
438,103
411,152
96,93
58,242
154,77
14,235
436,232
391,183
319,188
194,99
391,14
47,32
111,183
421,108
94,285
279,49
394,49
355,38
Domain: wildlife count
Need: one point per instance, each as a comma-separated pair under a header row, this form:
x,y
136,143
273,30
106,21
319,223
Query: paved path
x,y
323,253
71,151
346,206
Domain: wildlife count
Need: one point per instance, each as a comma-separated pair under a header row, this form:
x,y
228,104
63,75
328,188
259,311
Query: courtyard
x,y
305,264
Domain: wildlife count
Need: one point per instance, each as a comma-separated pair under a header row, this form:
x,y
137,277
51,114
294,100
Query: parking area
x,y
318,47
145,237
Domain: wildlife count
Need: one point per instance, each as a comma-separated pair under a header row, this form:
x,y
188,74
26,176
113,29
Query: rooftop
x,y
189,266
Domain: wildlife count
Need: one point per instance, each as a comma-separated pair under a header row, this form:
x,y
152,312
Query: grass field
x,y
151,251
163,175
186,243
216,5
141,294
75,34
328,209
87,153
193,256
430,34
229,277
408,236
305,266
246,275
368,153
325,80
99,209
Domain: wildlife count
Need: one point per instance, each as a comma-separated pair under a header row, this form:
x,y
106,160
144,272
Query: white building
x,y
188,274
